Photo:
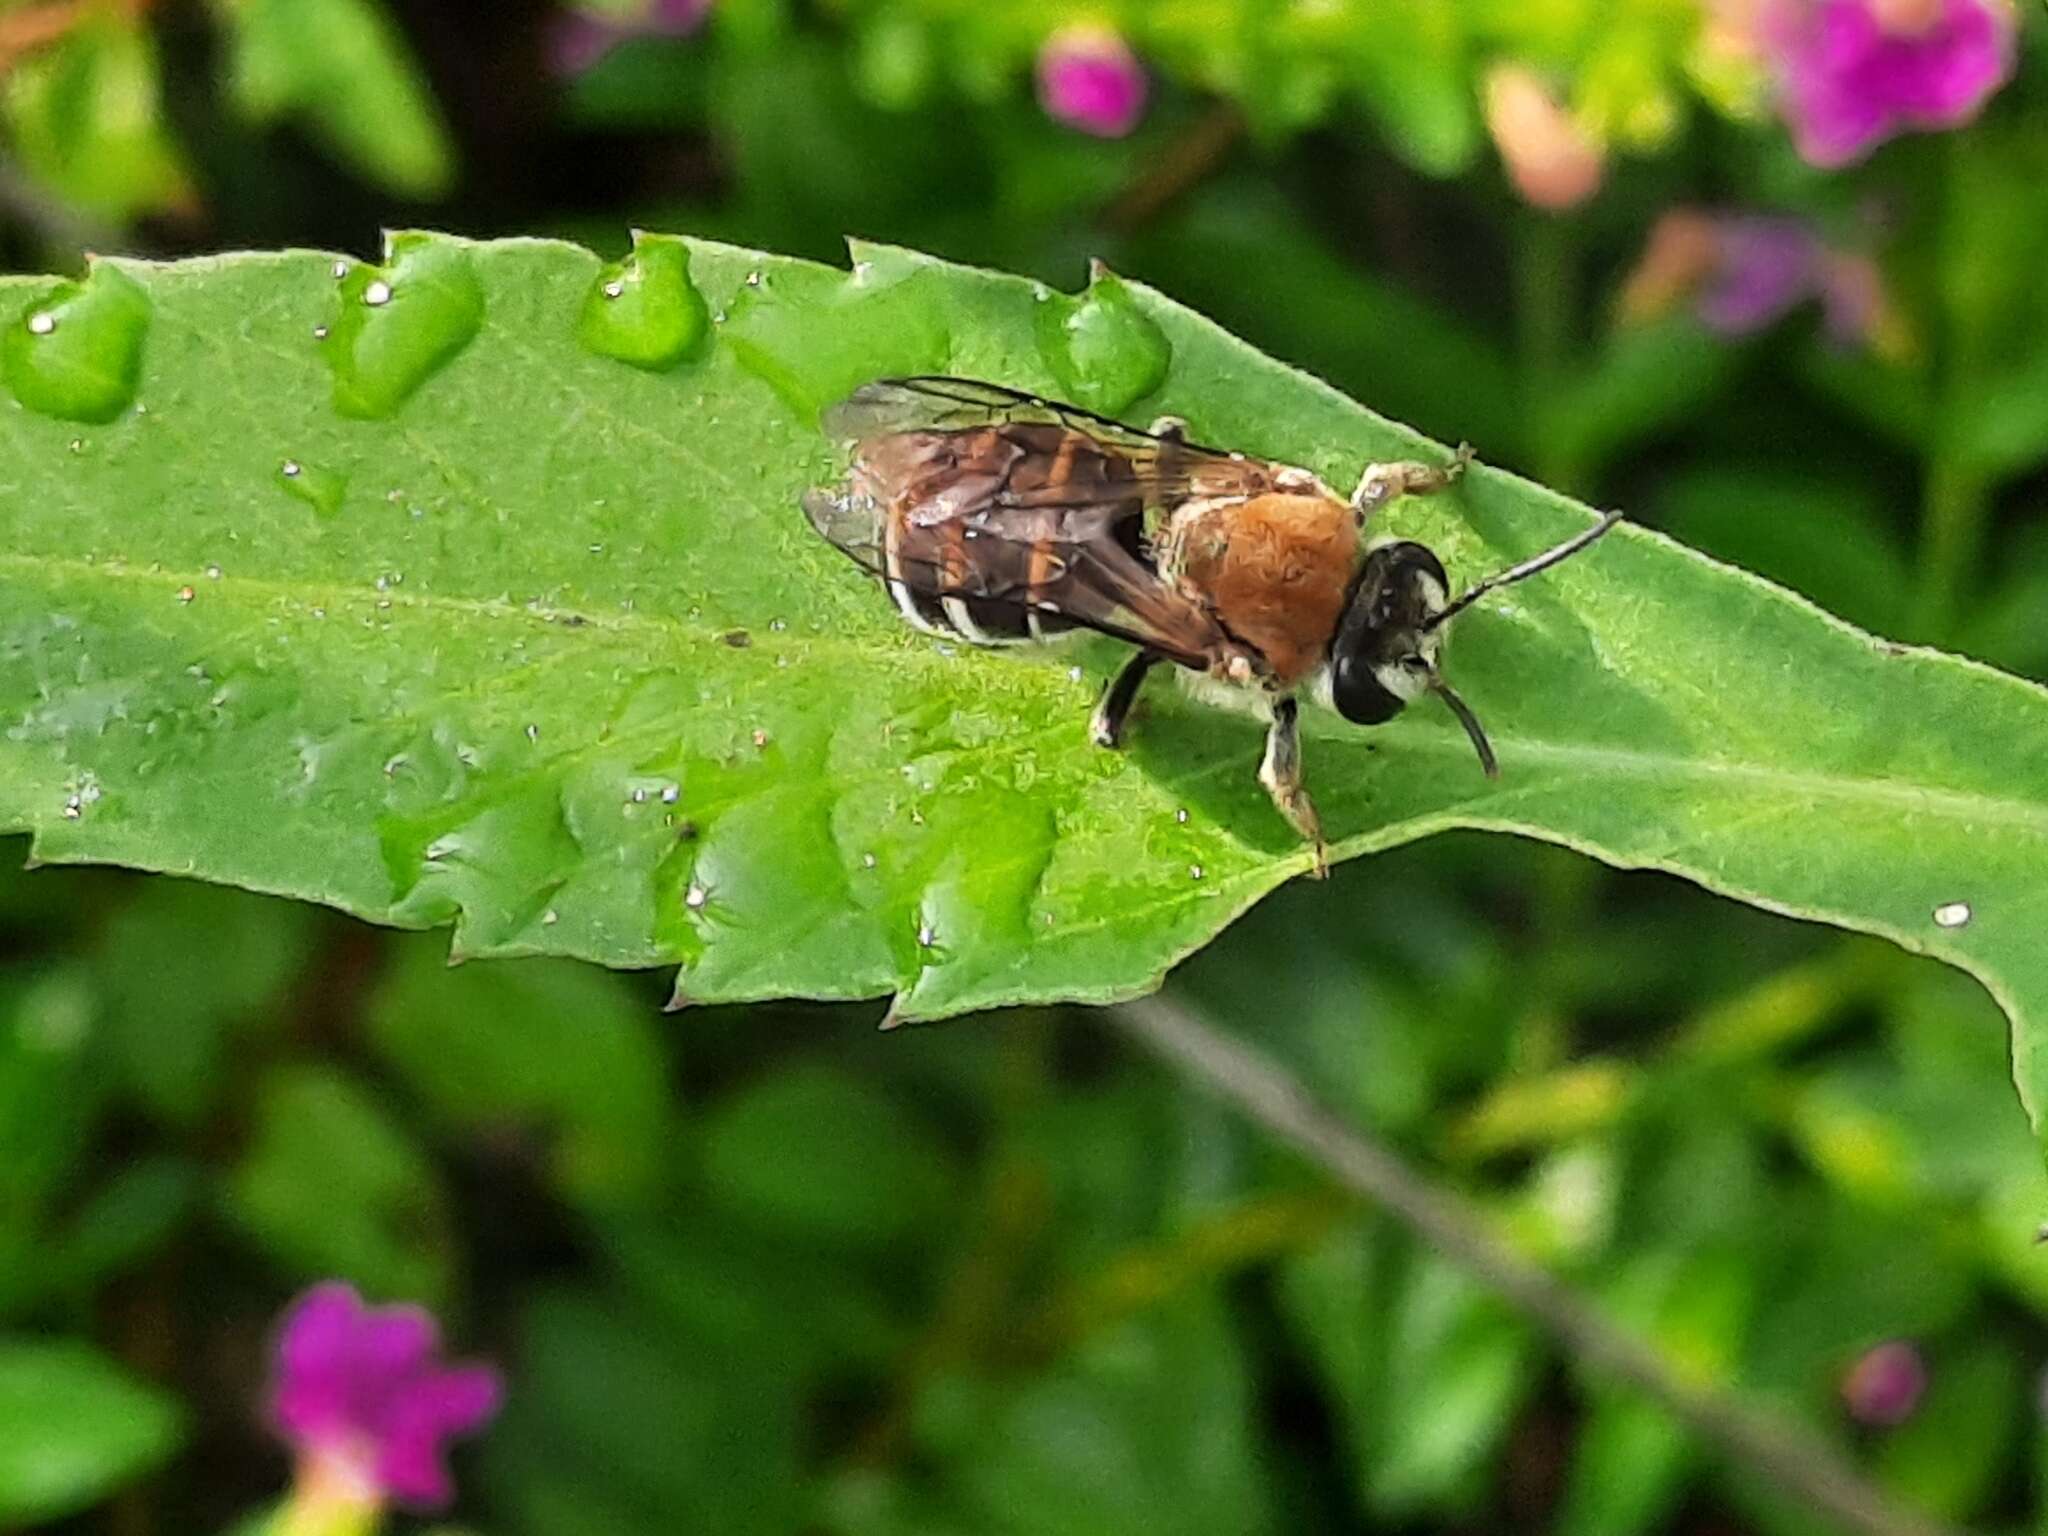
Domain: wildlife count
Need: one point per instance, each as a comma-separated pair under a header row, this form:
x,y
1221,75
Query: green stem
x,y
1546,304
1955,498
1955,506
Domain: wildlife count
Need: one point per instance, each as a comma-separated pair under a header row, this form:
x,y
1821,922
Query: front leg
x,y
1381,483
1106,726
1280,772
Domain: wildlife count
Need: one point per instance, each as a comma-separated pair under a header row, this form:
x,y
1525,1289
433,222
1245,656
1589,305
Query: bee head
x,y
1386,646
1385,652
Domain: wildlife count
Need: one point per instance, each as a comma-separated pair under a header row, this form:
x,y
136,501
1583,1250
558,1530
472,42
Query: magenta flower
x,y
362,1395
1744,272
579,39
1089,79
1884,1386
1853,73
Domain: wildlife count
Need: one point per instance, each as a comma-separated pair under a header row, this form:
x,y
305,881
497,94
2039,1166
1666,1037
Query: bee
x,y
996,517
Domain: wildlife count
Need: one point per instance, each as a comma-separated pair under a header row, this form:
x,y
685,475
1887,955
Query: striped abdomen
x,y
977,533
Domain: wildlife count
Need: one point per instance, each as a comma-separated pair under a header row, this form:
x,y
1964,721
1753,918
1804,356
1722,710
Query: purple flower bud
x,y
1853,73
361,1394
1763,266
1089,79
1884,1386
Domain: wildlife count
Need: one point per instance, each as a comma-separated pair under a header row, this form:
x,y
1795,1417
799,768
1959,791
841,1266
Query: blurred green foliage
x,y
758,1270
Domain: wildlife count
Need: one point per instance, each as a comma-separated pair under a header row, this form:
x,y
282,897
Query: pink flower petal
x,y
314,1366
1551,160
361,1389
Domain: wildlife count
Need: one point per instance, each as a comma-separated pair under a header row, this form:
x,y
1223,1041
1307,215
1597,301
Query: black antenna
x,y
1467,719
1508,578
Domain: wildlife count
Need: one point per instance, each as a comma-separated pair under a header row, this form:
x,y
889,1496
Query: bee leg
x,y
1280,772
1106,726
1381,483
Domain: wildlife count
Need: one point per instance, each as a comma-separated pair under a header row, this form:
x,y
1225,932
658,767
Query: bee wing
x,y
936,402
1170,468
967,533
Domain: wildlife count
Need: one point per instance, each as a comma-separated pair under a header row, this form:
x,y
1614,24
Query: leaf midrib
x,y
2030,815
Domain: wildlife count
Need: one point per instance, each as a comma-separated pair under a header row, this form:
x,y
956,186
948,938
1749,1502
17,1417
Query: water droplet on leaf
x,y
318,488
695,897
1106,352
1952,914
645,311
186,594
814,335
76,353
397,328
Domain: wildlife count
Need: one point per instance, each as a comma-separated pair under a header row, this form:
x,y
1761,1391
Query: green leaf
x,y
816,1153
185,968
620,1421
49,1095
86,117
1146,1426
554,657
1958,1445
137,1209
73,1428
560,1044
343,67
1458,1366
331,1186
1632,1460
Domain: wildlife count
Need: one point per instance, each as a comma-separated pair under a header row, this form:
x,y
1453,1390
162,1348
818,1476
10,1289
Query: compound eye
x,y
1359,694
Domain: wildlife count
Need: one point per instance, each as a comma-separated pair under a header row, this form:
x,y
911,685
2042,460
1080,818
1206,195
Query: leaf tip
x,y
893,1019
678,999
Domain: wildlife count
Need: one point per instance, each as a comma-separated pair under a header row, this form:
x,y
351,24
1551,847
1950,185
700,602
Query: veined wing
x,y
993,515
